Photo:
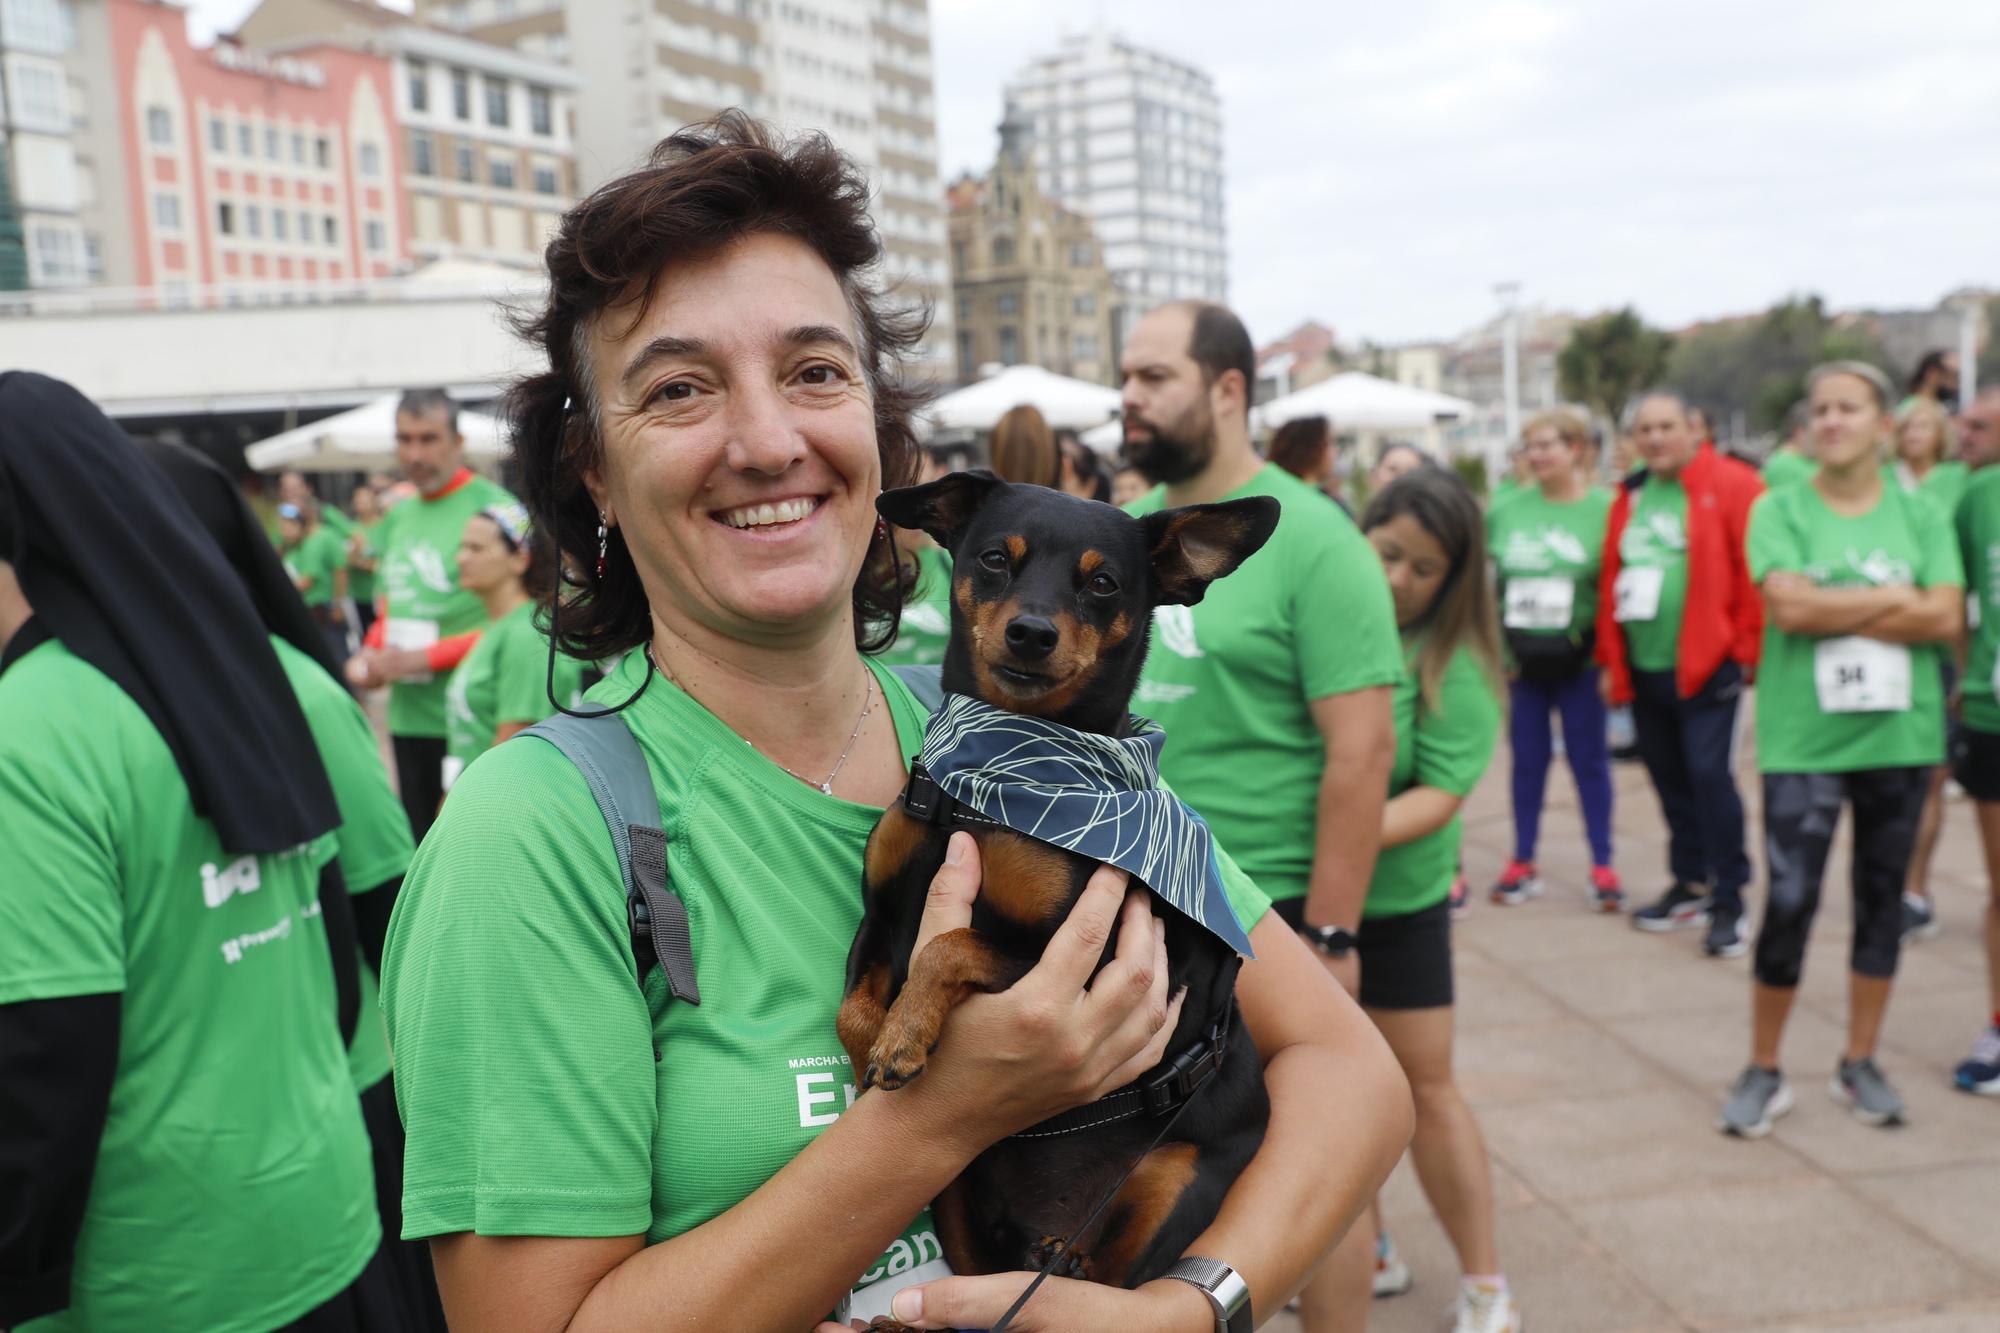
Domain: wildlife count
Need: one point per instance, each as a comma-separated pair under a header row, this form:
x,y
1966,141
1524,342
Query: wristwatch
x,y
1333,941
1227,1293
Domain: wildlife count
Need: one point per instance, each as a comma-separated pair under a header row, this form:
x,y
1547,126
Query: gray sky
x,y
1387,164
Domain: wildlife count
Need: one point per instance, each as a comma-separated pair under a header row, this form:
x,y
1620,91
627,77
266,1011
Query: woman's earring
x,y
603,537
881,530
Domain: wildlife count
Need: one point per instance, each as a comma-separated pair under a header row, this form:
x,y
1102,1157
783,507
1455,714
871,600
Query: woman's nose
x,y
762,435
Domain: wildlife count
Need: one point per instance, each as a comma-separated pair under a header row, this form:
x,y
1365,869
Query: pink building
x,y
248,172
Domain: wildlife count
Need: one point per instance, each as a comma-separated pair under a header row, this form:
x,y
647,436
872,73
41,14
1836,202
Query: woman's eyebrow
x,y
660,349
806,335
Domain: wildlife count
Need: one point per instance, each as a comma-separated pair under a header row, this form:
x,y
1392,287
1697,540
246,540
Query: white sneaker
x,y
1392,1275
1485,1310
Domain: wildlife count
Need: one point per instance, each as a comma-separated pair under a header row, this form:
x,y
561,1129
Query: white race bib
x,y
1539,603
1638,592
1861,675
399,633
450,770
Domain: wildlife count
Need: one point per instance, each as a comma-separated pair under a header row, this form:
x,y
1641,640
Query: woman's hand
x,y
1059,1305
1049,1042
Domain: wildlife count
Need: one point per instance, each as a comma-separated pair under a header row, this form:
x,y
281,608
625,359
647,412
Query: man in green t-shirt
x,y
425,622
1976,757
1275,689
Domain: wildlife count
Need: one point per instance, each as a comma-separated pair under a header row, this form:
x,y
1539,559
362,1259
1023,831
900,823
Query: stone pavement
x,y
1596,1058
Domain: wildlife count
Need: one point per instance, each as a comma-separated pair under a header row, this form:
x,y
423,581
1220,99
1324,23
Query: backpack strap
x,y
607,754
926,682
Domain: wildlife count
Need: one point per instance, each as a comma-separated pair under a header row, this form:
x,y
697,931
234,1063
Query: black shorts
x,y
1405,960
1975,762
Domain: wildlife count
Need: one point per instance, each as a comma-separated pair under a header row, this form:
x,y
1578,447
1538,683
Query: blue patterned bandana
x,y
1098,796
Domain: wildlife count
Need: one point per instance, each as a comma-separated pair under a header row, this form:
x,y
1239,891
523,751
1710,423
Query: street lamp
x,y
1508,294
1970,308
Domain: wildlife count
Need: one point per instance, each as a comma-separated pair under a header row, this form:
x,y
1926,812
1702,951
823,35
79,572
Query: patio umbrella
x,y
362,439
1354,401
1062,401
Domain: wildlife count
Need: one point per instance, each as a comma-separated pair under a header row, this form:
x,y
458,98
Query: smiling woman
x,y
593,1145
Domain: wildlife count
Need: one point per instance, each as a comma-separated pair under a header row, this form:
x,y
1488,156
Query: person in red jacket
x,y
1679,626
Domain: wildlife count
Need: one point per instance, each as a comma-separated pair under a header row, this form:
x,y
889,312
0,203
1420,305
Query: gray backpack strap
x,y
614,767
926,682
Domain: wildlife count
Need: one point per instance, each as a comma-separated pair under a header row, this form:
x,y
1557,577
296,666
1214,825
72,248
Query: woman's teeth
x,y
764,516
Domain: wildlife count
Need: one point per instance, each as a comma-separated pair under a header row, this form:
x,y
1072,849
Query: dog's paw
x,y
1072,1264
897,1057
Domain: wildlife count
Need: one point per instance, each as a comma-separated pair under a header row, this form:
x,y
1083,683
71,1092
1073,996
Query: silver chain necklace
x,y
826,787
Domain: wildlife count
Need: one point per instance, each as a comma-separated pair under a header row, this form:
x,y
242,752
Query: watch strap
x,y
1228,1294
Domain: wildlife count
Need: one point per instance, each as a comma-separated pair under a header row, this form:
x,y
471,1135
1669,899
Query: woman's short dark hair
x,y
703,188
1299,446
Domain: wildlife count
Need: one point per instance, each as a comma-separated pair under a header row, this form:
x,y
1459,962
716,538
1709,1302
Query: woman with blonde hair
x,y
1024,449
1926,449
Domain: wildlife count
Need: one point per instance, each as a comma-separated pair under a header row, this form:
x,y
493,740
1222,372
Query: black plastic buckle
x,y
1187,1073
922,797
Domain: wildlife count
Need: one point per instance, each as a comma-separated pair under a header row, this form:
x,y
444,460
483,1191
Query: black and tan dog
x,y
1052,599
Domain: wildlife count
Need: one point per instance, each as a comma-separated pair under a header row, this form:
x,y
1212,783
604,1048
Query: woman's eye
x,y
820,376
995,560
1103,585
674,391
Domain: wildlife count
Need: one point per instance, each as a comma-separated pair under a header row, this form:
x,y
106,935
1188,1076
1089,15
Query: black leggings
x,y
1800,813
420,778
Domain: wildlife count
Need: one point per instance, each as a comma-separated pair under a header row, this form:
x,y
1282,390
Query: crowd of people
x,y
294,1038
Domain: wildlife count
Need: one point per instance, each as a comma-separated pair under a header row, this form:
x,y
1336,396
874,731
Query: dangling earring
x,y
603,537
881,529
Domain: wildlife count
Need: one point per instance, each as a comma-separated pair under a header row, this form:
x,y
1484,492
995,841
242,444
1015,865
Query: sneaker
x,y
1727,937
1678,908
1605,890
1860,1086
1392,1275
1980,1071
1517,883
1483,1309
1759,1097
1461,898
1919,918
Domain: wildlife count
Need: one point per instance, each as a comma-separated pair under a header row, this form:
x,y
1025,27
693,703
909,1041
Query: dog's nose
x,y
1031,637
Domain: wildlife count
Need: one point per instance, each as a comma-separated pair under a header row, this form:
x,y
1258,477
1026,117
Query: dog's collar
x,y
1171,1085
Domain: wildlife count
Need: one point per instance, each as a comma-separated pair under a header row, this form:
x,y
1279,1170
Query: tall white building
x,y
40,112
860,70
1132,139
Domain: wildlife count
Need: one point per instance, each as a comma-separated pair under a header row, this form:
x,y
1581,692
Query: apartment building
x,y
38,115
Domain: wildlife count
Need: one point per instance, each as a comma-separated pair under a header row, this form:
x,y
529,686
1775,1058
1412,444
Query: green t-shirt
x,y
926,626
361,582
233,1187
505,678
317,557
1232,677
1978,528
1447,749
1655,539
525,1065
374,834
1547,556
336,520
1785,465
1943,485
418,541
1834,705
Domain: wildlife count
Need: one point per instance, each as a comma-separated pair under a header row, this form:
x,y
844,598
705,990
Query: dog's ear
x,y
1195,545
942,508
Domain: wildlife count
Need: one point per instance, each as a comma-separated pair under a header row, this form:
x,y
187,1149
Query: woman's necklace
x,y
826,787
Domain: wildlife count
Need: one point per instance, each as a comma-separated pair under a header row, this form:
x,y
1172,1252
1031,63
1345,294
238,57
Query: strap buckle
x,y
922,796
1190,1069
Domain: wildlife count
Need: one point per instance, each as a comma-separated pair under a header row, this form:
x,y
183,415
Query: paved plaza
x,y
1596,1058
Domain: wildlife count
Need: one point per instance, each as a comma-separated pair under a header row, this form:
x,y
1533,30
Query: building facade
x,y
38,116
487,132
859,70
1132,139
1028,277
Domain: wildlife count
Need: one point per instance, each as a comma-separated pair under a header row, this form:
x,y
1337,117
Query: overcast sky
x,y
1387,164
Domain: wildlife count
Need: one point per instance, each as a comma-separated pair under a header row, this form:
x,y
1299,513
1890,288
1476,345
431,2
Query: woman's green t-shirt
x,y
1845,703
1943,485
1785,465
1978,532
525,1065
317,556
233,1188
1449,749
1547,556
361,582
504,678
925,629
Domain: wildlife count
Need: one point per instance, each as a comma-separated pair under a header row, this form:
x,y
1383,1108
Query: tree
x,y
13,254
1610,358
1758,366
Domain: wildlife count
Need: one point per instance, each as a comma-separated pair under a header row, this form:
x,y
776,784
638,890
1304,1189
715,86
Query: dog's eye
x,y
994,559
1103,585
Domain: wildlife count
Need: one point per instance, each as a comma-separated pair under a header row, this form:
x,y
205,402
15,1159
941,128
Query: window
x,y
253,220
965,366
1010,346
420,86
218,135
167,211
305,227
1086,347
421,159
377,238
1003,250
1085,304
964,309
281,223
541,112
41,25
57,254
298,148
546,181
246,139
322,152
461,94
159,125
463,160
1081,255
502,174
1008,305
496,102
371,160
274,148
225,218
328,231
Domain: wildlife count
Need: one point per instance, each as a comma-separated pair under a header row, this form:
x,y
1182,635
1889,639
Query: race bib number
x,y
1638,592
1539,603
400,633
1859,675
450,770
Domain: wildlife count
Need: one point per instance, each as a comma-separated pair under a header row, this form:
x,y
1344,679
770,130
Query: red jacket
x,y
1724,616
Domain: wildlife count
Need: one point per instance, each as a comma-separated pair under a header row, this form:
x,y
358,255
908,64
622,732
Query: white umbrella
x,y
362,439
1062,401
1105,439
1354,401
